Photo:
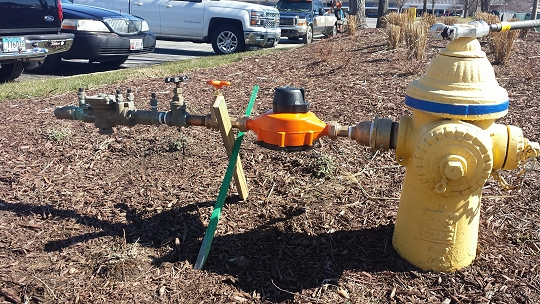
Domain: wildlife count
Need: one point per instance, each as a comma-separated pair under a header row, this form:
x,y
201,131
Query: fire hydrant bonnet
x,y
459,84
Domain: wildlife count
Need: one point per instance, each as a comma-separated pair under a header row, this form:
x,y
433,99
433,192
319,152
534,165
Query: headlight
x,y
302,22
256,18
145,27
84,25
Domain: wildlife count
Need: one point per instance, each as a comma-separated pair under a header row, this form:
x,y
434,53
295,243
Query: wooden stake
x,y
219,110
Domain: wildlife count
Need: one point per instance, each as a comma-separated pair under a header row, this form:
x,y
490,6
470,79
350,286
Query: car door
x,y
320,20
182,18
149,11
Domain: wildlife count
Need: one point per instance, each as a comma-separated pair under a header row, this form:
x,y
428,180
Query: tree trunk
x,y
465,8
433,7
484,5
534,10
424,8
358,8
383,10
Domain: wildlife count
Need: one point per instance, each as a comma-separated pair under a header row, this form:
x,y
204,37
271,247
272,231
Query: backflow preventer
x,y
450,145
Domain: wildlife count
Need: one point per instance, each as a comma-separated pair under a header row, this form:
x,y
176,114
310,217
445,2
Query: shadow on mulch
x,y
262,259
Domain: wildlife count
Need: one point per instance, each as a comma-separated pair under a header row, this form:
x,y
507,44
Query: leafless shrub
x,y
415,40
394,34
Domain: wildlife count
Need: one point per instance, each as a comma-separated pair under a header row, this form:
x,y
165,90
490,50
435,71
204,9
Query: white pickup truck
x,y
230,26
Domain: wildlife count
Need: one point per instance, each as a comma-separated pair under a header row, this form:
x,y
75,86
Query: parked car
x,y
29,31
305,19
101,35
230,26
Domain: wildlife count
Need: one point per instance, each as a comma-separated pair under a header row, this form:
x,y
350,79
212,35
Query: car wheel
x,y
45,66
11,71
228,39
308,36
114,63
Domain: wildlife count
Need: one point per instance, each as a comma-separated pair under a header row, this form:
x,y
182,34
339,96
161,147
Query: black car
x,y
101,35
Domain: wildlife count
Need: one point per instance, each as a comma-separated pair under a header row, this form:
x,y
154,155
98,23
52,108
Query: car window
x,y
294,6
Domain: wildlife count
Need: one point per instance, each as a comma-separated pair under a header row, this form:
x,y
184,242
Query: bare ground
x,y
120,218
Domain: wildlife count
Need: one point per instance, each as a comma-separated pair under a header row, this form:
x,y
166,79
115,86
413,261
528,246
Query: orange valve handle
x,y
218,84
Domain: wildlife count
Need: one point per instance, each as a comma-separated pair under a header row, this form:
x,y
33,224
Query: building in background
x,y
439,7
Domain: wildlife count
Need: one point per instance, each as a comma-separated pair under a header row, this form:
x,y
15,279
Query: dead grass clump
x,y
449,20
415,40
394,34
395,19
428,20
502,42
487,17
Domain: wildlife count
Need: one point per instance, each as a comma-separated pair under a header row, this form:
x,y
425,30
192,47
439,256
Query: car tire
x,y
47,65
11,71
307,38
334,31
114,63
228,39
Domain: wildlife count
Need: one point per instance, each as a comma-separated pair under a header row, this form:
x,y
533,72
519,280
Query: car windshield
x,y
294,6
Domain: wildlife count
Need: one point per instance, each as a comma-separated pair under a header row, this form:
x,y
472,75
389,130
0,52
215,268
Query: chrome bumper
x,y
39,46
264,39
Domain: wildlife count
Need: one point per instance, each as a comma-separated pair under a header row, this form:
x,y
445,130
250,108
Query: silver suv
x,y
305,19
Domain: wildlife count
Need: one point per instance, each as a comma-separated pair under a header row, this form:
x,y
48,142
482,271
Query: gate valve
x,y
218,84
289,125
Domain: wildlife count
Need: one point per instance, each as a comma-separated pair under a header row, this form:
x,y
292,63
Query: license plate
x,y
12,44
135,44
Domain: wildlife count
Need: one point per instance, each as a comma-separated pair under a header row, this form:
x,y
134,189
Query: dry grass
x,y
394,35
500,43
402,27
503,42
415,40
448,20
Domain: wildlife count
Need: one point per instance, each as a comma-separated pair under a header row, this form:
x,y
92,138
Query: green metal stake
x,y
214,219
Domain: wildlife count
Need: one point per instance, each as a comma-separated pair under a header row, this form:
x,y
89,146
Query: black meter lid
x,y
289,100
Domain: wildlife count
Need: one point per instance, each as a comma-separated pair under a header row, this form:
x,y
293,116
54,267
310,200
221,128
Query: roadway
x,y
165,51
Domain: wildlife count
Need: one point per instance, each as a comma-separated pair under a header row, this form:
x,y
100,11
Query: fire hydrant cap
x,y
460,84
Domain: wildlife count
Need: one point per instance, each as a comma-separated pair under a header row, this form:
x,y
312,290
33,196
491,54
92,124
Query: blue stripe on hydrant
x,y
456,109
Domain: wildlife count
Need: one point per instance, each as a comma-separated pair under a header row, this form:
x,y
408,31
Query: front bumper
x,y
293,31
39,46
95,46
262,39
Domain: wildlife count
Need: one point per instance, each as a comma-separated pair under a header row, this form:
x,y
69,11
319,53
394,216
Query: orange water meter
x,y
289,125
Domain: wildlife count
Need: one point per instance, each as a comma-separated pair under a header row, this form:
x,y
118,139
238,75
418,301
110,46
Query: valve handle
x,y
218,84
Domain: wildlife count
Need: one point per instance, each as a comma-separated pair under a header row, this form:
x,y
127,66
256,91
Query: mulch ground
x,y
120,218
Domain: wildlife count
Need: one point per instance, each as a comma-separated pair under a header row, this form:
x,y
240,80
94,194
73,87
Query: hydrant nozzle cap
x,y
460,84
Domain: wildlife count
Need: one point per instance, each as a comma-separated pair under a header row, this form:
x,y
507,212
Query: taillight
x,y
60,13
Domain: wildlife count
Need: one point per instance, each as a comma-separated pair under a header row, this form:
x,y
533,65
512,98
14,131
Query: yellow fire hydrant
x,y
450,146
